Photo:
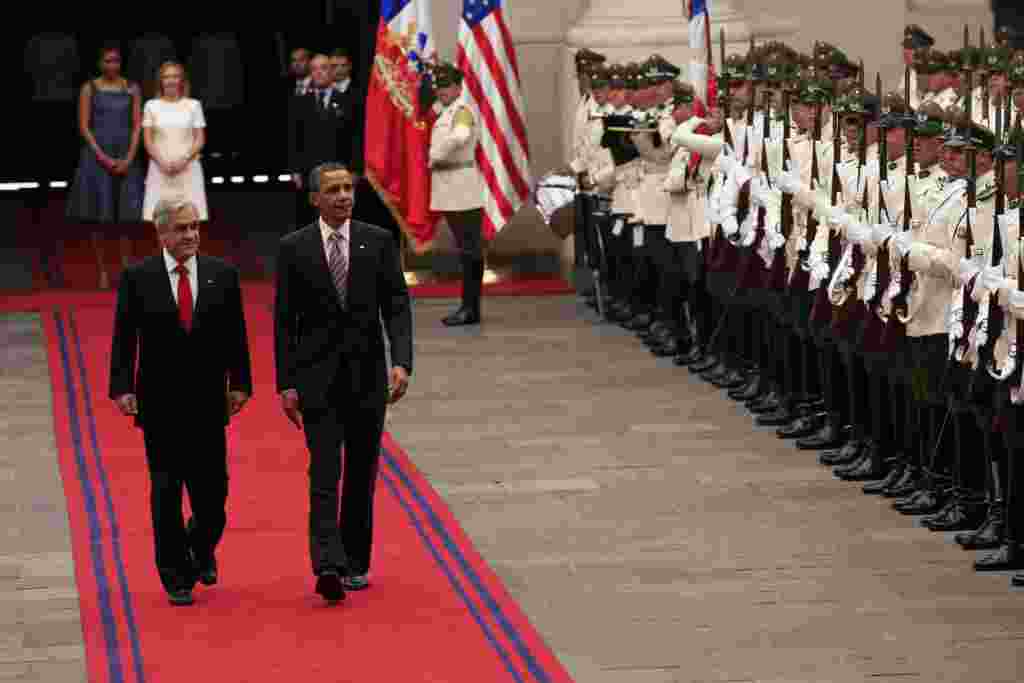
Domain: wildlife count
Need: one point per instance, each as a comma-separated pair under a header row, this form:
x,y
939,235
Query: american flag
x,y
487,60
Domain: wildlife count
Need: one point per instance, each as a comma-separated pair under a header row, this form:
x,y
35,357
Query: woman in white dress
x,y
174,130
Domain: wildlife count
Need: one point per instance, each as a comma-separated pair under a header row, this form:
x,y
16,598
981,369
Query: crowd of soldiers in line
x,y
844,260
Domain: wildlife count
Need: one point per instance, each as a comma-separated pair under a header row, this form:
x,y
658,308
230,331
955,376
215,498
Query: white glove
x,y
789,180
729,224
966,271
759,192
902,241
1016,299
775,239
992,278
879,232
858,233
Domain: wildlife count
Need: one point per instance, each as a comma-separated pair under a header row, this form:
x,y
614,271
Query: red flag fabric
x,y
398,139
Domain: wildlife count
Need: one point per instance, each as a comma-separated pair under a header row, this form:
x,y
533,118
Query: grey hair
x,y
327,167
166,209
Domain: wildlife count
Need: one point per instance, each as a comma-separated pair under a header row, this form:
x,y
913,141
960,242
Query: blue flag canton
x,y
697,8
475,11
389,9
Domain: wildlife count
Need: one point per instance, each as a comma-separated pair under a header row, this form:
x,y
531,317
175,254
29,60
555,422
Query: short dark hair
x,y
341,52
327,167
108,46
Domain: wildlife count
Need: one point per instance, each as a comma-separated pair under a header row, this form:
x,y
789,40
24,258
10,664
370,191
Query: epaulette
x,y
893,165
923,174
1013,203
987,192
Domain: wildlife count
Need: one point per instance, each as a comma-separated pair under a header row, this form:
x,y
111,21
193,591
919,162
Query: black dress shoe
x,y
926,502
863,455
989,535
751,390
328,584
638,322
875,488
850,451
869,470
694,355
1017,580
944,512
777,418
906,485
181,597
463,316
830,435
718,370
802,427
961,516
768,404
669,349
1005,558
709,361
731,380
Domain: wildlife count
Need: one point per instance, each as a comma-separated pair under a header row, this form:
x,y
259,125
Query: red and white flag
x,y
487,59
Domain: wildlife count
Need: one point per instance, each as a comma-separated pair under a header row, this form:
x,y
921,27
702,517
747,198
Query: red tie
x,y
184,298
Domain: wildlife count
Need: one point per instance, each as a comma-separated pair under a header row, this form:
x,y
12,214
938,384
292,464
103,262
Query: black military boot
x,y
990,534
1006,557
896,469
830,435
472,284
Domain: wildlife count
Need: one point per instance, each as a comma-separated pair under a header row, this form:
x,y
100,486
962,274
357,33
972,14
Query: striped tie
x,y
338,266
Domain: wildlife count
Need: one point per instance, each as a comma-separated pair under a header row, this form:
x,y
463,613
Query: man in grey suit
x,y
337,280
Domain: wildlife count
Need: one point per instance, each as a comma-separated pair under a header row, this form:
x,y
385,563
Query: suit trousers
x,y
194,459
345,431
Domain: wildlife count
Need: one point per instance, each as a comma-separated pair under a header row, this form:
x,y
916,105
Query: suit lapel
x,y
313,245
162,284
205,279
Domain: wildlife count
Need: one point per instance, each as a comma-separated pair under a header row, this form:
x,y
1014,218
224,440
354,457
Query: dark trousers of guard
x,y
194,460
343,438
620,257
466,228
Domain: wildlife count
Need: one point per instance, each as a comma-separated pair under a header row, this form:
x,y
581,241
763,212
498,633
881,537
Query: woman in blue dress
x,y
108,186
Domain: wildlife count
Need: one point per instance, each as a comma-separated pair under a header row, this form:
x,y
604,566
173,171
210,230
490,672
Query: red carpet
x,y
436,612
47,300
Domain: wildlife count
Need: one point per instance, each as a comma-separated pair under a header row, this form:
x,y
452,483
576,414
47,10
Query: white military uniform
x,y
455,182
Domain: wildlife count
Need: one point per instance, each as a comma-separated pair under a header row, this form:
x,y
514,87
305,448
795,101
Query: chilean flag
x,y
702,70
397,124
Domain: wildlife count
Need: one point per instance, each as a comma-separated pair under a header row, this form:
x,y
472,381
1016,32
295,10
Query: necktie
x,y
184,298
338,266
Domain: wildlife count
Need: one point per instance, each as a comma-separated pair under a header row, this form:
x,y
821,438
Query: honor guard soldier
x,y
456,187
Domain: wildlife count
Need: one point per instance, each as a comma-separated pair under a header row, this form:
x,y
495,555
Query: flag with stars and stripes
x,y
487,59
397,122
702,69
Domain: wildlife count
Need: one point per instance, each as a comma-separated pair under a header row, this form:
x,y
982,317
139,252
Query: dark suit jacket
x,y
317,135
179,377
315,338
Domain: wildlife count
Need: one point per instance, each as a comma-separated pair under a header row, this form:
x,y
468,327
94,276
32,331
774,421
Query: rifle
x,y
778,276
716,245
800,278
845,319
1017,370
981,381
984,82
970,307
752,270
821,310
873,335
896,329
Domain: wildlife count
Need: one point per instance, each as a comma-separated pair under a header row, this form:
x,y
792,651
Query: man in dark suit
x,y
179,306
321,127
337,280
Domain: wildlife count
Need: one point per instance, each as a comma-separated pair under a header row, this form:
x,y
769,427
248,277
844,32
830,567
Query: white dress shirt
x,y
325,234
342,86
193,276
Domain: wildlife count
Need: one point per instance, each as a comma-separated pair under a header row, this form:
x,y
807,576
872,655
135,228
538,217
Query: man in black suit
x,y
337,280
180,315
321,128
